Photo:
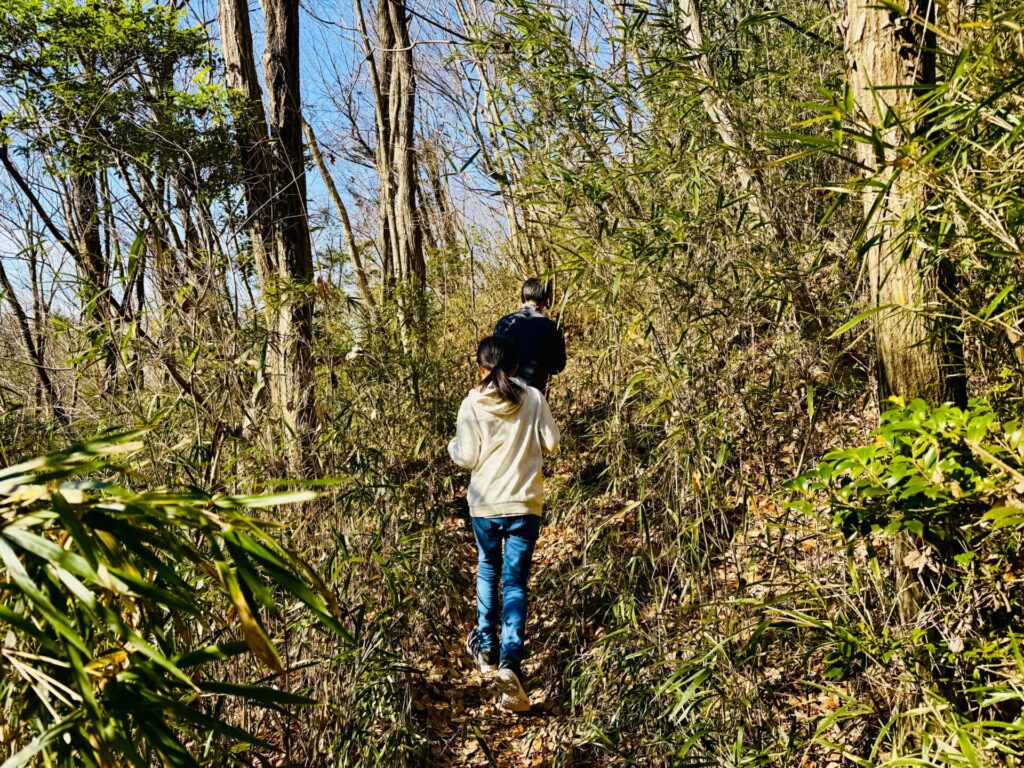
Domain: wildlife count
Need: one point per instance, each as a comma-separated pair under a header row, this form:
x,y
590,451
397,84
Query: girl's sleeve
x,y
549,435
465,447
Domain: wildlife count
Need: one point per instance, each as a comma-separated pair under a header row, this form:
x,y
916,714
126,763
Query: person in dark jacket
x,y
540,346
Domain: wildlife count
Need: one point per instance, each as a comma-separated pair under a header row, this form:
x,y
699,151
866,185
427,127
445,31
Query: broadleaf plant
x,y
943,474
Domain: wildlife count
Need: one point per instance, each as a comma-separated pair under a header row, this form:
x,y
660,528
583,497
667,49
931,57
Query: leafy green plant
x,y
942,474
119,607
932,515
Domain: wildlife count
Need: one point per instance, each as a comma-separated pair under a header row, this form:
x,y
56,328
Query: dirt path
x,y
468,727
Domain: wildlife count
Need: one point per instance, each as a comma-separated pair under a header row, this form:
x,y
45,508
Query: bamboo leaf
x,y
858,319
252,631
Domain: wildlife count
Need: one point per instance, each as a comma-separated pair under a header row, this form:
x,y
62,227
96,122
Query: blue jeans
x,y
518,534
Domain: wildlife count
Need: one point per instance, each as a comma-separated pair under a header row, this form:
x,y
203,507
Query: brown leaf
x,y
917,559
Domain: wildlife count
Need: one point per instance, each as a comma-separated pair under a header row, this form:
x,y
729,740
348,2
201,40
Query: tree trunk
x,y
889,57
93,269
721,117
402,107
379,79
441,198
362,282
250,130
33,345
394,91
291,350
275,192
498,157
38,305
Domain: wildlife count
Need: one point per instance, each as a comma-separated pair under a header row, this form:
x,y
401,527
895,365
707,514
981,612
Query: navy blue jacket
x,y
540,346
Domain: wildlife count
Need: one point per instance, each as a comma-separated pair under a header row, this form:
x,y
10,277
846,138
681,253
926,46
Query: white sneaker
x,y
513,695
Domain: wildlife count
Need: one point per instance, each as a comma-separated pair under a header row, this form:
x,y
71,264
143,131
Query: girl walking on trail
x,y
504,430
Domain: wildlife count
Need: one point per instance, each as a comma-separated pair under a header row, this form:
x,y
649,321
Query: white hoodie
x,y
504,444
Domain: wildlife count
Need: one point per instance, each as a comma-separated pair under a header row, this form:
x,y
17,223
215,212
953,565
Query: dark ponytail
x,y
497,356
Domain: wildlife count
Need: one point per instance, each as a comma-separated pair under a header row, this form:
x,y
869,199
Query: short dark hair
x,y
536,291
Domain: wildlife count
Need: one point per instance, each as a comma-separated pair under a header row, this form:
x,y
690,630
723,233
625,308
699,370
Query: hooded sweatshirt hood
x,y
489,400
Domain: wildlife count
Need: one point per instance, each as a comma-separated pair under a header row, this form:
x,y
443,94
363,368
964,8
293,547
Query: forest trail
x,y
458,705
233,353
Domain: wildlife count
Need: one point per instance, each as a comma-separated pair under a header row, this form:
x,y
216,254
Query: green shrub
x,y
932,514
945,475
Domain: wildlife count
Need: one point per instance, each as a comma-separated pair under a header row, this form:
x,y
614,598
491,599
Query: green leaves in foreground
x,y
120,608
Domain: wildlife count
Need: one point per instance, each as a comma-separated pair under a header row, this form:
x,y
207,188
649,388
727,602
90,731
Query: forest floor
x,y
459,705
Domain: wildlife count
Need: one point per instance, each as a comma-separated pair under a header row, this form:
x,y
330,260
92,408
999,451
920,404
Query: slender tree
x,y
488,124
721,117
33,345
83,204
358,271
393,81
